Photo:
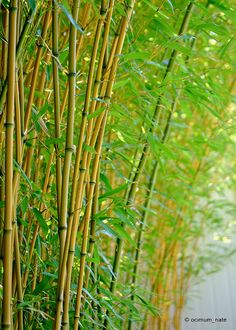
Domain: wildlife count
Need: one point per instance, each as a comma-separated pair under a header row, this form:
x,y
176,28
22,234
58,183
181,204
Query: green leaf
x,y
42,286
212,27
32,4
171,5
120,83
24,205
22,173
69,16
113,191
91,296
149,306
89,148
123,234
96,113
41,220
136,56
105,179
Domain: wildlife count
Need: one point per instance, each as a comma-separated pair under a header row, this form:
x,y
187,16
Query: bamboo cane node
x,y
59,299
92,240
9,125
128,7
6,326
84,114
83,254
39,44
62,227
82,169
7,230
55,54
92,182
69,149
103,12
71,74
71,251
13,9
64,323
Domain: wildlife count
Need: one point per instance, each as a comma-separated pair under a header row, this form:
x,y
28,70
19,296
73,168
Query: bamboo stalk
x,y
18,279
56,90
86,224
8,235
70,246
70,242
92,239
35,71
69,149
75,195
19,48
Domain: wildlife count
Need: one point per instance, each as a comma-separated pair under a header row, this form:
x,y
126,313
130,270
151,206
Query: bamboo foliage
x,y
116,122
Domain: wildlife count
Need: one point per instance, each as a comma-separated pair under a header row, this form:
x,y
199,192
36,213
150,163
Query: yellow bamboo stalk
x,y
8,235
35,71
86,224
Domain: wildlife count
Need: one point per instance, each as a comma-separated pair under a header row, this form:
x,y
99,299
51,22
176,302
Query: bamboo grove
x,y
117,143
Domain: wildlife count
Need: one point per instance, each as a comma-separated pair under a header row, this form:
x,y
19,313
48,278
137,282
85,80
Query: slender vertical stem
x,y
35,72
69,149
56,90
86,224
8,236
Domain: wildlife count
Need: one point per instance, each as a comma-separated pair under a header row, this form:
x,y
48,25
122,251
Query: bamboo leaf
x,y
89,148
41,220
123,234
113,191
150,307
22,173
70,18
32,4
136,56
96,113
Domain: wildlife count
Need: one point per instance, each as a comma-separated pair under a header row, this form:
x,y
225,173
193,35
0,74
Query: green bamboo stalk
x,y
145,152
69,149
151,187
56,90
8,235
